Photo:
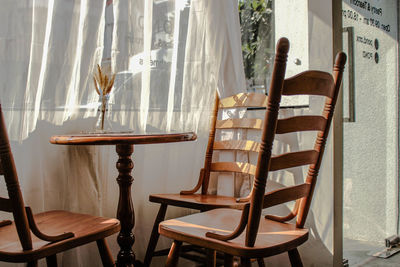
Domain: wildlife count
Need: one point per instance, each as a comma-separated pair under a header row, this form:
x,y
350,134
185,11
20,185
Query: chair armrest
x,y
5,222
286,194
286,218
239,229
243,199
35,230
197,187
5,204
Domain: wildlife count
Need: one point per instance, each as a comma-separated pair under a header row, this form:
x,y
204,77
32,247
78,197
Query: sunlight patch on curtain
x,y
49,50
169,70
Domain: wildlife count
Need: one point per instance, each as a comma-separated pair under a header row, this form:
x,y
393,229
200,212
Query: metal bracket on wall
x,y
350,67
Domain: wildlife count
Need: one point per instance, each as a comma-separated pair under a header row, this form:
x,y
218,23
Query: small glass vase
x,y
103,123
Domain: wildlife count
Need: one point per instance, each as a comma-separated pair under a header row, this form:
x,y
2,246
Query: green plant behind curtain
x,y
256,25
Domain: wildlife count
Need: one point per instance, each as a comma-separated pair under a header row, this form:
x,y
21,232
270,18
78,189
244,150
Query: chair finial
x,y
340,60
283,45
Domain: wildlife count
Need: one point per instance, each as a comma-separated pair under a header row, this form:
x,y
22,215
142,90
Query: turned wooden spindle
x,y
267,138
125,211
210,145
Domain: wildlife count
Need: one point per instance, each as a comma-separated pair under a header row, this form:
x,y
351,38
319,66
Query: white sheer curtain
x,y
48,51
169,56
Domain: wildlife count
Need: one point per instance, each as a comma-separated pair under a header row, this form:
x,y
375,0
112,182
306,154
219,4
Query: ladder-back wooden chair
x,y
245,233
204,201
62,230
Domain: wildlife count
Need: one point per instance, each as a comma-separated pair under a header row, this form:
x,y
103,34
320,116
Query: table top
x,y
114,138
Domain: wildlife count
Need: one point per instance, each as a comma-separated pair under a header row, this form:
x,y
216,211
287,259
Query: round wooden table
x,y
124,146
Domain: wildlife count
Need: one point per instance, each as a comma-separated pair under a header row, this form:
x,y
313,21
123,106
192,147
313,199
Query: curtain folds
x,y
49,50
169,58
178,53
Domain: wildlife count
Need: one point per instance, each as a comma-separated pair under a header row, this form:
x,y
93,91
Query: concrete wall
x,y
370,143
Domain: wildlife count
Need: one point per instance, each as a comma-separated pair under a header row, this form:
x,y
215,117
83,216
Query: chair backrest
x,y
252,211
15,203
267,138
249,101
314,83
239,165
244,144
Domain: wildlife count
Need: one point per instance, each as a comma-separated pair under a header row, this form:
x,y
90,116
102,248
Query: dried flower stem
x,y
102,82
103,85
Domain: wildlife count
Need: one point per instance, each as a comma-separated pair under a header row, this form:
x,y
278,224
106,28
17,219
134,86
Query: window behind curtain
x,y
165,14
257,29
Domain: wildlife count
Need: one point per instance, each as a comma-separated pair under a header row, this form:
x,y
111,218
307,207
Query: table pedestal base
x,y
125,211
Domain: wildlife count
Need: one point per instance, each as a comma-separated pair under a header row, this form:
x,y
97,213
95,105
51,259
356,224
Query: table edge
x,y
107,139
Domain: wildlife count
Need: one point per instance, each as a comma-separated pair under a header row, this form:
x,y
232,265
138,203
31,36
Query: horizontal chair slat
x,y
244,100
243,145
301,123
312,83
294,159
286,194
245,123
238,167
5,204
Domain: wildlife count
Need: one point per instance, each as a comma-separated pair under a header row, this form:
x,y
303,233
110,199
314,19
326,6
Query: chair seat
x,y
86,229
272,238
197,201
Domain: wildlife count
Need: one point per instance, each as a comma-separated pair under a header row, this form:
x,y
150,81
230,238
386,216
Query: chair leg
x,y
105,253
245,262
261,262
211,257
173,255
228,260
154,235
51,261
32,264
294,257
